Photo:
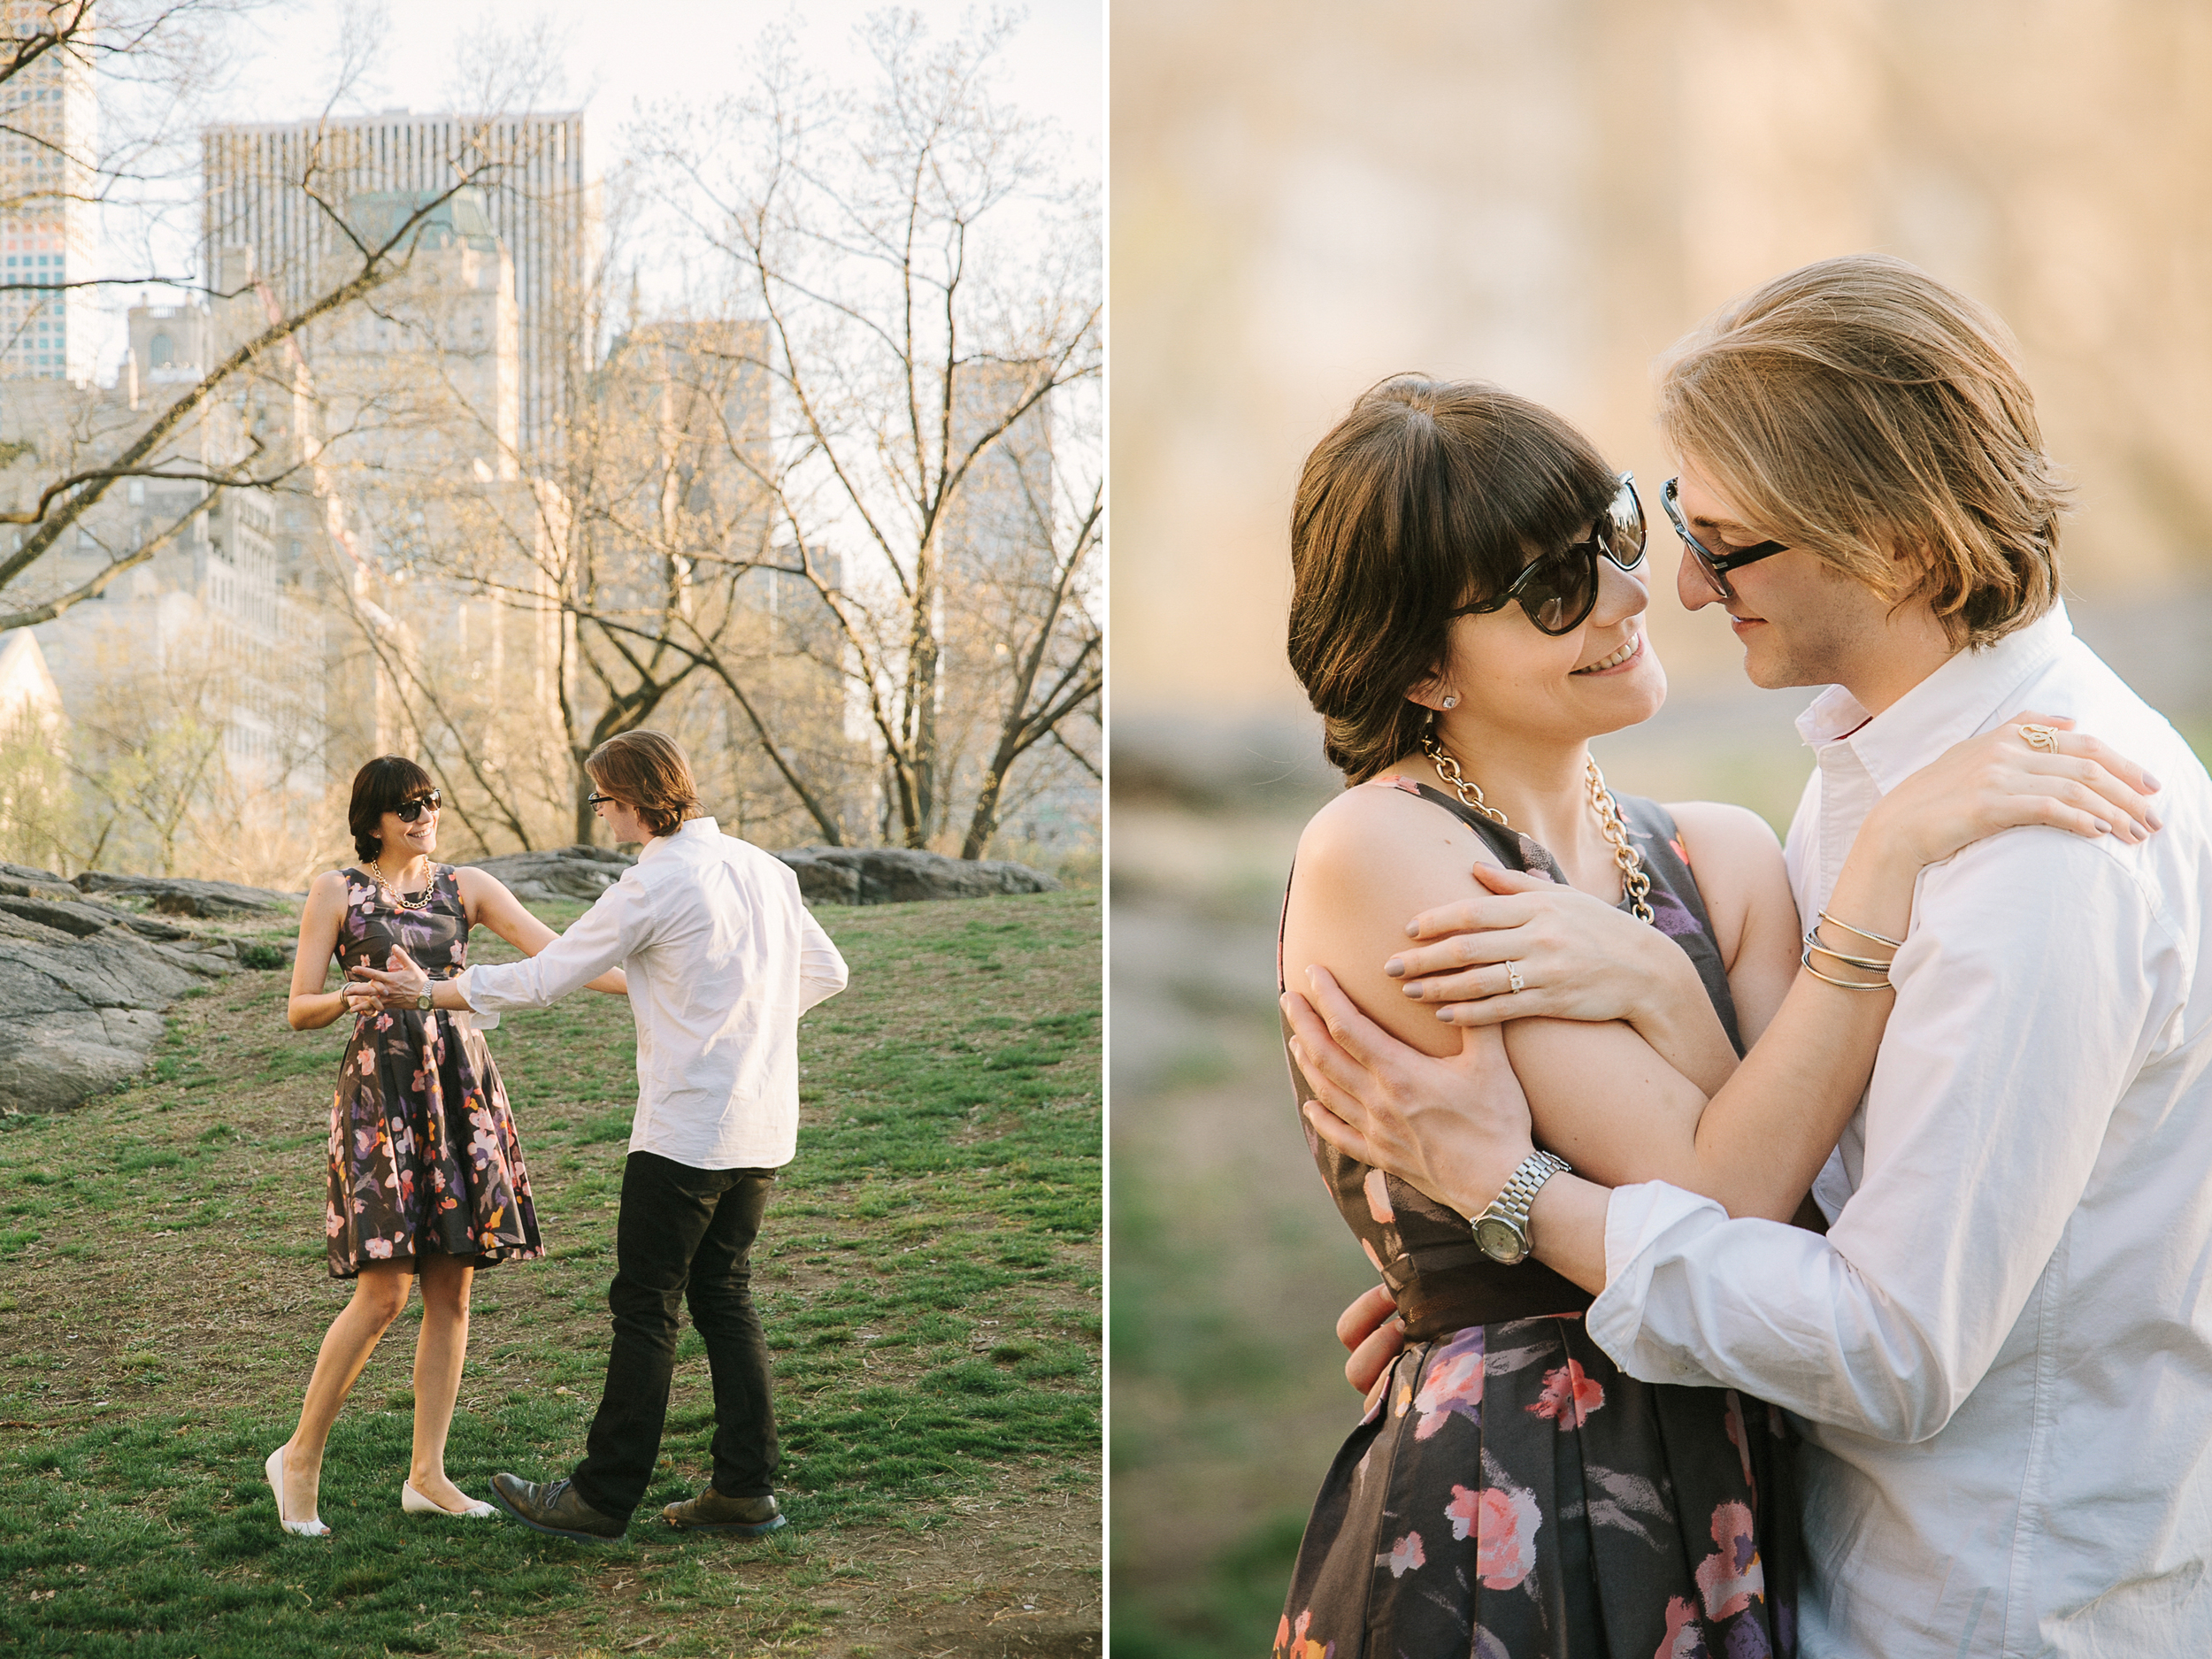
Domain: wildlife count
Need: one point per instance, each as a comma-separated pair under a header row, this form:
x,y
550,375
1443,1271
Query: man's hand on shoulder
x,y
1454,1127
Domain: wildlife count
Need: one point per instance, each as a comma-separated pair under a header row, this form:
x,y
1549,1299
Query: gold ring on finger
x,y
1513,980
2040,737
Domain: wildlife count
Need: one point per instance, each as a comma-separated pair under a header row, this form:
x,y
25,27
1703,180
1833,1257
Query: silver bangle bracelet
x,y
1848,985
1875,964
1879,939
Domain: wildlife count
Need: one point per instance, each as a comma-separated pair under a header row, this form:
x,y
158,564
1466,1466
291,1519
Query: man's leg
x,y
721,1300
667,1210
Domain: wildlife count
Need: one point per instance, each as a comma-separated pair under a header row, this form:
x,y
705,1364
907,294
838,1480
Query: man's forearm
x,y
1566,1229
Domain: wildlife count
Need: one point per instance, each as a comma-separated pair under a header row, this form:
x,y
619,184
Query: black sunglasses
x,y
598,800
408,812
1559,590
1716,567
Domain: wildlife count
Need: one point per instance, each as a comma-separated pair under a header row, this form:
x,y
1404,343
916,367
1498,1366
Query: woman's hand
x,y
1574,956
2000,781
369,989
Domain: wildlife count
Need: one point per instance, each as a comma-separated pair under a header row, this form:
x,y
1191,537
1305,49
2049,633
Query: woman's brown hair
x,y
648,773
1859,408
385,785
1429,495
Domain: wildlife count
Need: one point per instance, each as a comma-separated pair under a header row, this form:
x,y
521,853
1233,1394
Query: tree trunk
x,y
984,823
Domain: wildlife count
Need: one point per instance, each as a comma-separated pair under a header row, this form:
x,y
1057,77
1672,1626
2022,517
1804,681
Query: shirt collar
x,y
1953,703
693,826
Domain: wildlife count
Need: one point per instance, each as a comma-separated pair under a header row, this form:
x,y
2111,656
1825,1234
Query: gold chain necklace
x,y
399,901
1635,885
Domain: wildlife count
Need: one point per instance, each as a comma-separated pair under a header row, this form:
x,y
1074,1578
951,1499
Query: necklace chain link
x,y
1635,884
399,901
1447,770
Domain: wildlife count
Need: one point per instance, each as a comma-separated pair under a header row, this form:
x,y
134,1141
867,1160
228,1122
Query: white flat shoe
x,y
275,1468
415,1503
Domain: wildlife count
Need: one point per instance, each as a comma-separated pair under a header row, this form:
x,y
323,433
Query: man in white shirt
x,y
722,958
2002,1350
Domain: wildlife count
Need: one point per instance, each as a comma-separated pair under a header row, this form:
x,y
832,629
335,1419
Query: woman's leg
x,y
438,1352
379,1294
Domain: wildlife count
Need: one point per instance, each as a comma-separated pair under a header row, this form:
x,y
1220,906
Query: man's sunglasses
x,y
1715,566
1559,590
408,812
597,801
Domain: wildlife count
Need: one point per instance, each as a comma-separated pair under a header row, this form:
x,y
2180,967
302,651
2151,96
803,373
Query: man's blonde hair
x,y
649,773
1860,410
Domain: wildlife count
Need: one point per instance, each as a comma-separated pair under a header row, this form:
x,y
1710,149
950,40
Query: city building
x,y
527,171
49,210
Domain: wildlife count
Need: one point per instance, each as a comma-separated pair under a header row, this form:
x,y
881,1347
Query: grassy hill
x,y
928,1277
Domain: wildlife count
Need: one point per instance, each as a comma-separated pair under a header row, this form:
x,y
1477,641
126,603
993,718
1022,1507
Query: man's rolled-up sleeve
x,y
604,937
2019,1023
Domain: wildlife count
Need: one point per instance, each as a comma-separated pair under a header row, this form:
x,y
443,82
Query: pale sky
x,y
690,49
693,51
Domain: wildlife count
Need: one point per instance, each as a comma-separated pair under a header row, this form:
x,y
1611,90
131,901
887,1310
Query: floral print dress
x,y
423,1153
1509,1492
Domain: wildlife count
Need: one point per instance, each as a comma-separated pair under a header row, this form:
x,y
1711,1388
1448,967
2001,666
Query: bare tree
x,y
927,286
165,47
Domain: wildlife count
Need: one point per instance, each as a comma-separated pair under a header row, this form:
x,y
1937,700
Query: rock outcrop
x,y
80,1002
178,896
899,875
579,873
827,875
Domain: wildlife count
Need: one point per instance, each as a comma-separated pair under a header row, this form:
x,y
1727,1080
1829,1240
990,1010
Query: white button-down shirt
x,y
722,958
2002,1348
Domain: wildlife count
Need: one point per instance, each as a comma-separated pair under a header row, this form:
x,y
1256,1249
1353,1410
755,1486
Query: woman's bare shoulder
x,y
1737,861
1722,832
1386,815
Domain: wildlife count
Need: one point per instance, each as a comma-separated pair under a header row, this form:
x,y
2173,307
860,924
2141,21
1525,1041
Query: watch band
x,y
1508,1212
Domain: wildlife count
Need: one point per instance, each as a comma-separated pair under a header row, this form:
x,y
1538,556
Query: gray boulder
x,y
81,1014
177,896
81,920
24,882
580,872
899,875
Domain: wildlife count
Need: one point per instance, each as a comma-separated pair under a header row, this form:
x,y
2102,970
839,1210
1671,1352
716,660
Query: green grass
x,y
928,1277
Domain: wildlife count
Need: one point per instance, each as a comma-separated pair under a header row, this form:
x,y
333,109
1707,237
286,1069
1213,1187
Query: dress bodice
x,y
435,937
1426,1251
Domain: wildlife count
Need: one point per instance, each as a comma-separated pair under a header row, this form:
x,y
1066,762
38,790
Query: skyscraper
x,y
528,171
47,231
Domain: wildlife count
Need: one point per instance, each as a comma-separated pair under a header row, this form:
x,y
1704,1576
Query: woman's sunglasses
x,y
1559,590
1715,566
408,812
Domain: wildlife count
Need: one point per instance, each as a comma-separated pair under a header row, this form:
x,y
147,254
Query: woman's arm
x,y
310,1007
1600,1094
490,904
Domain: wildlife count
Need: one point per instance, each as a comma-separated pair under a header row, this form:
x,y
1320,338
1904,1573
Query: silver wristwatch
x,y
1502,1230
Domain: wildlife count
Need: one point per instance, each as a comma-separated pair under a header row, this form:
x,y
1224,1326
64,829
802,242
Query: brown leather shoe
x,y
712,1512
554,1509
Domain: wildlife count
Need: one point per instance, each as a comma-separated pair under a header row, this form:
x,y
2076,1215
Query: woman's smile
x,y
1621,658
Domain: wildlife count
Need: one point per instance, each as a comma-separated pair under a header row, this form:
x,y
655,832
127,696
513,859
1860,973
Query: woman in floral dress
x,y
426,1177
1466,614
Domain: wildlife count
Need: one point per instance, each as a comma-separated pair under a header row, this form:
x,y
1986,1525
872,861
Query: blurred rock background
x,y
1545,193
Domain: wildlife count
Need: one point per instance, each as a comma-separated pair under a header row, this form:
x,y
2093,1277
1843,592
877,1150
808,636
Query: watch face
x,y
1500,1240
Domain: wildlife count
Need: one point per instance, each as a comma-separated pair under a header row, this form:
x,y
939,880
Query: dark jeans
x,y
682,1234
